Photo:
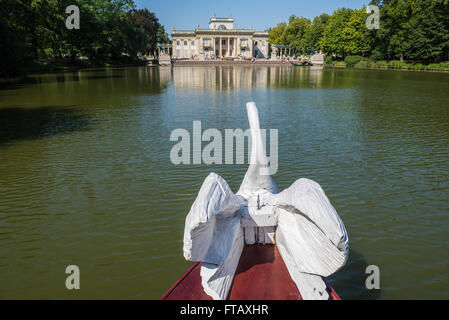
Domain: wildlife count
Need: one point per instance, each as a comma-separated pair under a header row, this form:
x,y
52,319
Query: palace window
x,y
206,42
178,42
185,42
192,43
223,41
243,42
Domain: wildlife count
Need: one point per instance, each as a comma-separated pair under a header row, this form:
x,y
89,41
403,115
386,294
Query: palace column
x,y
235,47
214,46
220,46
227,45
239,49
182,48
231,47
189,42
251,47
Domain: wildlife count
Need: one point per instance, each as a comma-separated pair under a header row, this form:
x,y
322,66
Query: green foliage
x,y
17,41
340,64
333,41
346,33
328,60
440,66
295,32
397,64
381,63
351,61
277,34
162,36
415,30
412,30
314,34
361,64
292,34
111,31
428,37
146,25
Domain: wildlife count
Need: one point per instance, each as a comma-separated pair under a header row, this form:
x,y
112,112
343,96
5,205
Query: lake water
x,y
86,177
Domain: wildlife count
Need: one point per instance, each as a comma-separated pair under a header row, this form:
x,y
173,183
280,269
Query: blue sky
x,y
185,14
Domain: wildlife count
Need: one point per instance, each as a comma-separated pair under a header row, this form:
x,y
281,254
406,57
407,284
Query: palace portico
x,y
222,39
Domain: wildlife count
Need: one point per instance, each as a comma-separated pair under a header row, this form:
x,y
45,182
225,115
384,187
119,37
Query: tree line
x,y
414,30
111,31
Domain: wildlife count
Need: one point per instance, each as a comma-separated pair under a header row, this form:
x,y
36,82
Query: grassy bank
x,y
363,63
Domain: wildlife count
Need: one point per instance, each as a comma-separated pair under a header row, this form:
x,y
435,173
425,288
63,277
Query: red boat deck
x,y
261,275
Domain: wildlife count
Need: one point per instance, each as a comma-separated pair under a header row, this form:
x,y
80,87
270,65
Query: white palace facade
x,y
221,40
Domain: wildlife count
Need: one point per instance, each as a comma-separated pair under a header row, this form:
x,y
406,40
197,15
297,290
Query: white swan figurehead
x,y
300,221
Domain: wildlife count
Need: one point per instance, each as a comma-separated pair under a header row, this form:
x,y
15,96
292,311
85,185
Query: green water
x,y
86,177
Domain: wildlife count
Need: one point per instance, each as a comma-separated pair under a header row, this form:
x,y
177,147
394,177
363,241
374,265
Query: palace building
x,y
221,40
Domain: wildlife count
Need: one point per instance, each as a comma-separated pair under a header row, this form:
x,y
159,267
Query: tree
x,y
162,36
147,21
18,47
409,29
427,39
355,34
346,33
390,39
296,31
291,34
277,34
333,41
111,30
314,34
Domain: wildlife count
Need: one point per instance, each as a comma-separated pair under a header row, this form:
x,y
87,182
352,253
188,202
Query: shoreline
x,y
405,68
190,63
185,63
225,62
387,67
62,68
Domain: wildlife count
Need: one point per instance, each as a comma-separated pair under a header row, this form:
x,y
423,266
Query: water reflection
x,y
37,122
222,78
85,88
349,282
